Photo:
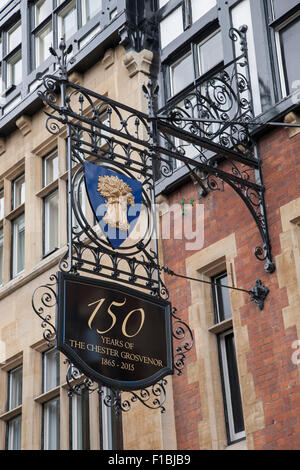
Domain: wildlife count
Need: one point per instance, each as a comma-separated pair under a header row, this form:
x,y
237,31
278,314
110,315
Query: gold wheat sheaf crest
x,y
118,197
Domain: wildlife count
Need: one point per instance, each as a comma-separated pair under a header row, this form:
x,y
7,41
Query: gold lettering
x,y
127,318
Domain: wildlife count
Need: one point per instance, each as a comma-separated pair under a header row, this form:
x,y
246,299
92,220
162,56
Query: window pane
x,y
199,8
14,37
1,77
67,21
282,6
222,299
233,379
51,222
18,245
50,168
1,205
162,3
182,74
43,41
80,422
207,59
14,65
171,27
51,425
1,256
18,191
51,370
14,434
290,36
43,8
90,8
15,388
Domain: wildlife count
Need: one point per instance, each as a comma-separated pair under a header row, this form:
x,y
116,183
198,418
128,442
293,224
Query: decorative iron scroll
x,y
183,334
153,397
44,302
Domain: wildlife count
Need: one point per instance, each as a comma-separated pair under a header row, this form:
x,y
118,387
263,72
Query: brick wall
x,y
275,377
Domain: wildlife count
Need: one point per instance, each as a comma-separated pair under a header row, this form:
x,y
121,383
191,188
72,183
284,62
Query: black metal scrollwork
x,y
44,301
183,334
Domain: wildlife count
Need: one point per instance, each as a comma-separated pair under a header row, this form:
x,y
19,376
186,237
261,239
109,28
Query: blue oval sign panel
x,y
116,336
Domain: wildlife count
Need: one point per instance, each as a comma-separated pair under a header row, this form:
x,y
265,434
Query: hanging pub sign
x,y
116,336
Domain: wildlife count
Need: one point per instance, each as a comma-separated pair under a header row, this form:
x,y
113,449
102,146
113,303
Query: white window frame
x,y
61,16
12,384
85,18
200,44
171,71
46,355
232,434
14,191
48,222
2,252
11,433
77,401
1,204
52,156
280,61
15,245
46,422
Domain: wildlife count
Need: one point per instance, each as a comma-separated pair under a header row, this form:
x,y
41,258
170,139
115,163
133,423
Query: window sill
x,y
11,414
220,327
47,396
240,445
16,212
47,189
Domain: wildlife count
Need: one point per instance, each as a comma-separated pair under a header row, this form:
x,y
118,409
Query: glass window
x,y
1,256
43,41
111,425
288,37
67,21
11,47
1,204
43,8
51,417
14,70
162,3
18,245
231,387
89,9
18,191
199,8
14,433
280,7
51,214
1,78
15,388
14,37
80,421
182,73
207,59
50,168
80,198
50,370
171,27
221,298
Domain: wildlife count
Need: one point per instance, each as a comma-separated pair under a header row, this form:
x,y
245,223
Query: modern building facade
x,y
240,385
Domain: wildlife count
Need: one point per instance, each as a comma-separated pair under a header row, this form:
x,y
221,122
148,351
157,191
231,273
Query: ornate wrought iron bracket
x,y
211,123
259,294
